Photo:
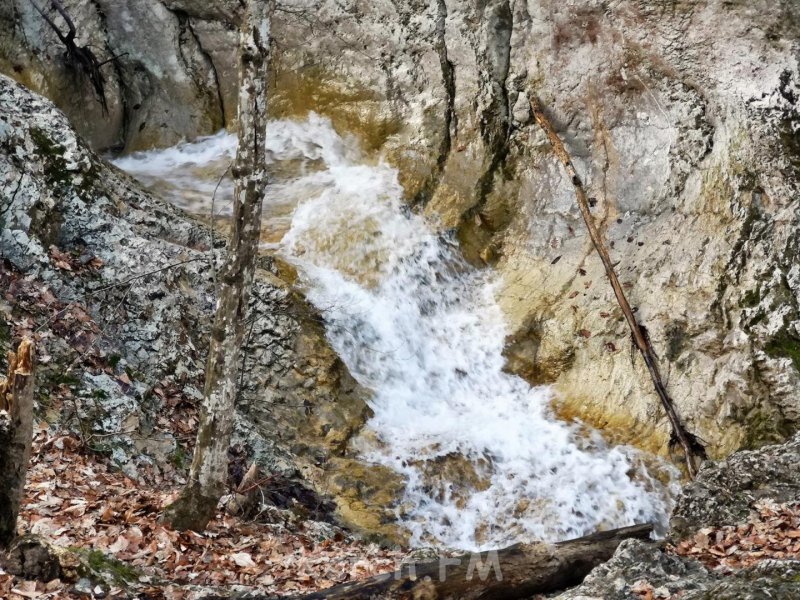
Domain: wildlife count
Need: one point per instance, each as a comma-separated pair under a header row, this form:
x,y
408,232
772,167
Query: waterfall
x,y
486,461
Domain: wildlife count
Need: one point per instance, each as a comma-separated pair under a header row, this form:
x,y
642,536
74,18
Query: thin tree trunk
x,y
692,448
207,478
519,571
16,431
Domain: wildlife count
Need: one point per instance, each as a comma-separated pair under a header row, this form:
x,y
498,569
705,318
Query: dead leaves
x,y
772,531
79,260
76,501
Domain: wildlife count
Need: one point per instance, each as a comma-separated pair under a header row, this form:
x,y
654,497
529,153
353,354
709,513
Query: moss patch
x,y
676,340
751,298
96,565
762,428
785,345
55,167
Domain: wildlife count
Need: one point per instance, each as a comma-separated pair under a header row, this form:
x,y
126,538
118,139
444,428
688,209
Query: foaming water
x,y
485,460
188,174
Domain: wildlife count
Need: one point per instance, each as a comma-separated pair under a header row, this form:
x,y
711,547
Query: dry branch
x,y
519,571
16,431
692,447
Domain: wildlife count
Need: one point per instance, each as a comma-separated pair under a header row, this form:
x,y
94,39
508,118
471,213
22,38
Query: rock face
x,y
639,569
122,303
681,116
173,79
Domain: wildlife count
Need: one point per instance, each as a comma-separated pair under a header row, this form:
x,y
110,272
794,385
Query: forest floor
x,y
76,501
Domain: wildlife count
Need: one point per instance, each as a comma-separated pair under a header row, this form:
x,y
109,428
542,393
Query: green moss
x,y
89,178
5,332
790,139
785,345
179,457
109,569
113,360
55,167
751,298
676,340
762,428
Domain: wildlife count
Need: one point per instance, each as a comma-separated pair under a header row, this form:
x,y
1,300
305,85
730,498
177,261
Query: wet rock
x,y
367,497
682,119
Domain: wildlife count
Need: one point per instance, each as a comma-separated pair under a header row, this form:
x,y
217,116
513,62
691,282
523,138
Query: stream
x,y
486,461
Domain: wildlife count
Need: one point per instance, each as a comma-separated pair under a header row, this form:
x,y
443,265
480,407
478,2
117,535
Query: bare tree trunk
x,y
692,448
207,479
519,571
16,431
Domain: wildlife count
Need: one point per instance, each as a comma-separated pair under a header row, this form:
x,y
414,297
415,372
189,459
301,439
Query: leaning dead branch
x,y
692,448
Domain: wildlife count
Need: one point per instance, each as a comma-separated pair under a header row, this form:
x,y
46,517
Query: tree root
x,y
80,59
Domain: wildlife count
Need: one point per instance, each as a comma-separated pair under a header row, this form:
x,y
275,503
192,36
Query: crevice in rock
x,y
450,117
187,35
495,123
117,70
213,68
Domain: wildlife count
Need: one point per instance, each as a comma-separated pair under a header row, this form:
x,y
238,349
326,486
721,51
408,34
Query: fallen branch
x,y
16,432
692,447
519,571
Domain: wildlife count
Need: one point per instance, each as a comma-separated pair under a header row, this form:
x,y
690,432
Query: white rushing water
x,y
486,461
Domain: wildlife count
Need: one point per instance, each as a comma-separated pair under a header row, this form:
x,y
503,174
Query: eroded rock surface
x,y
173,77
138,274
682,118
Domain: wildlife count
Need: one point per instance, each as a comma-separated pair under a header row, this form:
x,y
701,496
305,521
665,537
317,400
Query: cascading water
x,y
486,461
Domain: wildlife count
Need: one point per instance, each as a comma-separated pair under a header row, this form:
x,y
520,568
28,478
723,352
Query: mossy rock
x,y
100,567
785,345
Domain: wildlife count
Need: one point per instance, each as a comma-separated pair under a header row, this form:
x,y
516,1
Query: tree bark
x,y
692,448
208,476
519,571
16,432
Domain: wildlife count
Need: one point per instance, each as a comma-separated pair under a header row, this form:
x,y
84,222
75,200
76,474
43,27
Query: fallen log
x,y
16,432
518,571
692,448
